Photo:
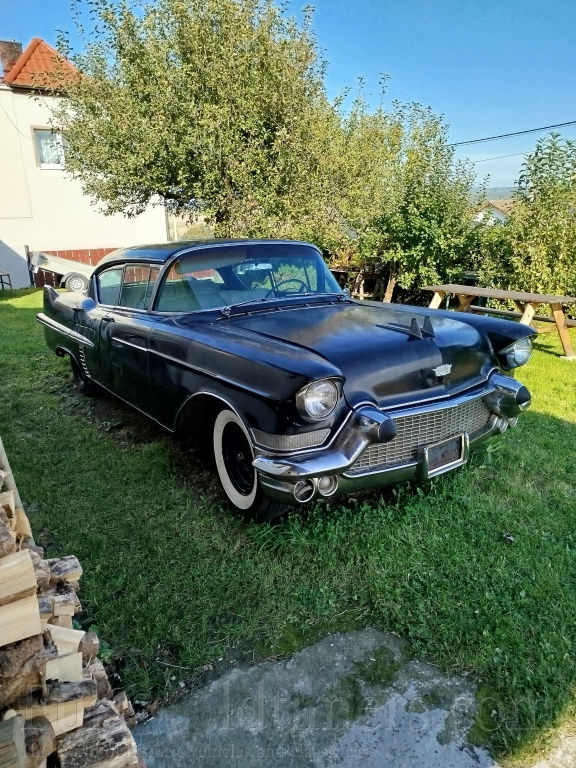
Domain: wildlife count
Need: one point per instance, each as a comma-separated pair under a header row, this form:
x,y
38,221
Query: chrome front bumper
x,y
299,478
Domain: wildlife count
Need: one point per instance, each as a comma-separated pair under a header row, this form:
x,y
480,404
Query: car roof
x,y
160,253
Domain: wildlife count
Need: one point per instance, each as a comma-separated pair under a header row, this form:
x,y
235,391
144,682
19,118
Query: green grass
x,y
171,577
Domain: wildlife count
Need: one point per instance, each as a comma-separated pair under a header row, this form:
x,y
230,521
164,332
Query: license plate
x,y
442,455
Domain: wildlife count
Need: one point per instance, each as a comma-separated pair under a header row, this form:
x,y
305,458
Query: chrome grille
x,y
414,432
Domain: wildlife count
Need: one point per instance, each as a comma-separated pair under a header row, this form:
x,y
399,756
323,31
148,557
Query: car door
x,y
124,335
89,318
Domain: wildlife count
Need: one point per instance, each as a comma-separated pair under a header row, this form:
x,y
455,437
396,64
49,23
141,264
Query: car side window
x,y
109,283
137,285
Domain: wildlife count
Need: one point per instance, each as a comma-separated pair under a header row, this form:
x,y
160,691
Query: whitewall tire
x,y
234,455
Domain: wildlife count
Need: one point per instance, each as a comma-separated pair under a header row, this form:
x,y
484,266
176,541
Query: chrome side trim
x,y
130,344
54,326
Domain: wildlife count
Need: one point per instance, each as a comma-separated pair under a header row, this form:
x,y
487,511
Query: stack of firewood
x,y
55,696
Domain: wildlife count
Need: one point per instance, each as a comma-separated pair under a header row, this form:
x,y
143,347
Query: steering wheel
x,y
303,288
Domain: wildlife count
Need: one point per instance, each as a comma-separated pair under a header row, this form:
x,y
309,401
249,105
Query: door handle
x,y
108,318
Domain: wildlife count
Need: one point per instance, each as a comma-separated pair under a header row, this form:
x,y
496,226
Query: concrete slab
x,y
354,701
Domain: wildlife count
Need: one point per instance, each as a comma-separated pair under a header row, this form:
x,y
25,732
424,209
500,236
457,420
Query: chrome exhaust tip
x,y
327,485
304,491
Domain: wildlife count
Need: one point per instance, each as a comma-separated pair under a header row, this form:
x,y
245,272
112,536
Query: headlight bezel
x,y
516,354
307,392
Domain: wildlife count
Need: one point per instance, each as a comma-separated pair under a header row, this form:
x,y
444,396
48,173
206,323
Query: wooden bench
x,y
526,302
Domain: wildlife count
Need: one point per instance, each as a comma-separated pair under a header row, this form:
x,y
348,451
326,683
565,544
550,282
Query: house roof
x,y
39,66
504,206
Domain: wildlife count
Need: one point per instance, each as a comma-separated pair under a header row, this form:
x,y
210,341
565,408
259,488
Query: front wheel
x,y
234,455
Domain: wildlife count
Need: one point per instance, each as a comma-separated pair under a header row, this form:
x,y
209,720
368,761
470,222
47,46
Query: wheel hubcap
x,y
237,457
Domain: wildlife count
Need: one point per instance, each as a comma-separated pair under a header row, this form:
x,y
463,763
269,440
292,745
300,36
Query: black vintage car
x,y
252,348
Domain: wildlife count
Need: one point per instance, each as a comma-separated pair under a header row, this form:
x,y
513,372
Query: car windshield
x,y
212,278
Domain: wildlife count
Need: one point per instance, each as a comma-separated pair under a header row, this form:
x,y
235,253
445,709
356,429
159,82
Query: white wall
x,y
45,209
491,215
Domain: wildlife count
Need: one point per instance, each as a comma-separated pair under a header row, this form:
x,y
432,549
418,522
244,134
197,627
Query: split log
x,y
28,543
19,620
12,746
45,610
40,739
8,476
22,524
8,504
64,604
90,645
61,621
63,717
17,579
66,668
22,667
14,656
58,693
7,541
124,707
121,704
64,569
66,640
104,741
63,705
96,670
41,571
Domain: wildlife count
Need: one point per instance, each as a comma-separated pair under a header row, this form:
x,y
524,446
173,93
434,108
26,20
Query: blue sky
x,y
490,67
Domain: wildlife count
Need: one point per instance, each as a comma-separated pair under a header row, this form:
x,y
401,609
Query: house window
x,y
49,148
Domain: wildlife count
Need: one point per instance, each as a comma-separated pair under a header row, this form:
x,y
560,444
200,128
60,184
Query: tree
x,y
412,204
543,221
211,105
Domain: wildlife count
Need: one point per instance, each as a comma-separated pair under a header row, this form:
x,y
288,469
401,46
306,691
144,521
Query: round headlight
x,y
318,400
518,353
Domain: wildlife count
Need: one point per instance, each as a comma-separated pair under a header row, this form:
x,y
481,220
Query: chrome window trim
x,y
165,267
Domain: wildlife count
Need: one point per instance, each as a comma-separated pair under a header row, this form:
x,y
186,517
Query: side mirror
x,y
346,292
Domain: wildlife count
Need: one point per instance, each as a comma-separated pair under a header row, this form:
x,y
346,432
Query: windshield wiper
x,y
226,310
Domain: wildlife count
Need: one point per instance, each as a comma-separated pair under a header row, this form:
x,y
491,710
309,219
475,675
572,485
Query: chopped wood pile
x,y
56,704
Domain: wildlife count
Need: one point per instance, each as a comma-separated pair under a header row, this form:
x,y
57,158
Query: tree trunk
x,y
391,284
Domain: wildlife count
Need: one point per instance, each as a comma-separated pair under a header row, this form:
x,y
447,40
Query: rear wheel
x,y
84,385
234,455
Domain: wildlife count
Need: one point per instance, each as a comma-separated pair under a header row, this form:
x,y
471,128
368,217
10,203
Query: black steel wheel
x,y
234,455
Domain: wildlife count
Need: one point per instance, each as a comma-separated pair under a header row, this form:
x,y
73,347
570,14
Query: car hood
x,y
386,354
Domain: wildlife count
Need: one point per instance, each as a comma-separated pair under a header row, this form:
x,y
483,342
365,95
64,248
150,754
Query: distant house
x,y
493,211
40,206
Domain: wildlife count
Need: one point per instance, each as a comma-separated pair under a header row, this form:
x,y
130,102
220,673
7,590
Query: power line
x,y
486,159
507,135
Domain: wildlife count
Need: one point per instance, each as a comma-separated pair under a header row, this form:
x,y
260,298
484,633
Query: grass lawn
x,y
171,577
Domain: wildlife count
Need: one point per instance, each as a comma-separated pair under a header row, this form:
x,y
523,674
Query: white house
x,y
40,206
493,211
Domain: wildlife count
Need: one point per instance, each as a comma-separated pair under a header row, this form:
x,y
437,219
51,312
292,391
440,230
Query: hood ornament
x,y
442,370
